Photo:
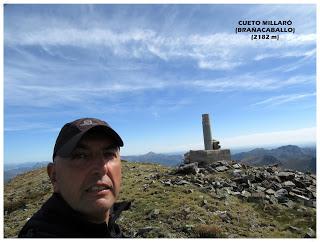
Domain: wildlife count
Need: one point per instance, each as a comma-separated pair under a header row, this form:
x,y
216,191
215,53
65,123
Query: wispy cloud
x,y
296,136
220,51
250,82
278,100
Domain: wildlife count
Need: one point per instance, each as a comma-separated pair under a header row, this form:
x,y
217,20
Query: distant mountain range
x,y
163,159
289,157
12,170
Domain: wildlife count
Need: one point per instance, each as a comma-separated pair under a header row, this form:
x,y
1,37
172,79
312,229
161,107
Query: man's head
x,y
87,168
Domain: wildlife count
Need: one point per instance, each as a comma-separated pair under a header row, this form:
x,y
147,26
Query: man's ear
x,y
51,170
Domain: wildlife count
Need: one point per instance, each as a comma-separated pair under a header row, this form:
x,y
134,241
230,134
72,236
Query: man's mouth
x,y
98,188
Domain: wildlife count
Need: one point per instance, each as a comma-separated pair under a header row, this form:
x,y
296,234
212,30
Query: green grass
x,y
182,213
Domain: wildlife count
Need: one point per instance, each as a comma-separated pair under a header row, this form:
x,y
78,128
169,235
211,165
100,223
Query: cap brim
x,y
66,149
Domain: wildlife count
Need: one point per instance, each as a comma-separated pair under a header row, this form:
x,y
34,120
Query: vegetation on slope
x,y
161,209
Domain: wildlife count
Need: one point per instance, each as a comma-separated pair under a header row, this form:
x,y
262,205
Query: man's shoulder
x,y
48,221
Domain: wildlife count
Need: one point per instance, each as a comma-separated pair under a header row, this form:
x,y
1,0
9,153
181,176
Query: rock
x,y
299,183
281,195
153,214
286,176
216,184
310,233
294,229
270,191
288,184
224,162
191,168
181,182
260,189
266,184
236,166
145,187
256,197
289,204
189,191
245,194
204,202
298,198
224,216
236,173
167,182
310,203
186,210
221,168
141,232
273,200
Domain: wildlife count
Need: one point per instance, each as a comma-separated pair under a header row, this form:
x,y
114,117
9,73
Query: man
x,y
86,178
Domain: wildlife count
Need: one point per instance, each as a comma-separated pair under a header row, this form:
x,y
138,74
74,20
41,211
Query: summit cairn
x,y
212,152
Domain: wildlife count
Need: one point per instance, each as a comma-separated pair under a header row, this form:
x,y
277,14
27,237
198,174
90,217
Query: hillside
x,y
288,157
170,205
12,170
163,159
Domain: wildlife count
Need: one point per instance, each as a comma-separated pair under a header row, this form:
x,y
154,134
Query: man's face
x,y
89,180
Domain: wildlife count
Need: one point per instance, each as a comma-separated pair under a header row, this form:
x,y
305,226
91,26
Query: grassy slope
x,y
184,210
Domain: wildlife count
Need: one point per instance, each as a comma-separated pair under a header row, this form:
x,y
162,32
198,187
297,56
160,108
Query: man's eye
x,y
79,156
109,153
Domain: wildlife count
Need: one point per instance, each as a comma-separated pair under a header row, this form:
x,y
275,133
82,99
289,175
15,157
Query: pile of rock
x,y
268,185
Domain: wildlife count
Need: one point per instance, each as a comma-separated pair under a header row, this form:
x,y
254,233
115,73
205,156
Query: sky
x,y
151,71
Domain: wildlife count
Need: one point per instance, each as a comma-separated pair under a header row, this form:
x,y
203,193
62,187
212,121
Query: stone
x,y
288,184
310,203
167,182
256,197
237,166
310,233
182,182
205,157
266,184
294,229
298,198
153,214
191,168
281,195
260,189
276,179
222,168
225,216
245,194
224,162
286,176
141,232
273,200
281,192
270,191
204,202
299,183
289,204
236,173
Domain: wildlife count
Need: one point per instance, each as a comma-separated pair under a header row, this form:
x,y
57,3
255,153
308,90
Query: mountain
x,y
288,157
163,159
171,205
12,170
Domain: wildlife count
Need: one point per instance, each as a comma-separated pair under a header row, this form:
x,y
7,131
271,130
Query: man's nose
x,y
100,163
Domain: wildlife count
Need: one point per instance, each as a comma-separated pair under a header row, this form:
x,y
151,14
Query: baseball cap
x,y
72,132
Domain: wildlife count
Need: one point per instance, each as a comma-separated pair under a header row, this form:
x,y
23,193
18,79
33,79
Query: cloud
x,y
219,51
278,100
297,136
250,82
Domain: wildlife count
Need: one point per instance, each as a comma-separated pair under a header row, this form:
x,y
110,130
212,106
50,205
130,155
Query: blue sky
x,y
152,70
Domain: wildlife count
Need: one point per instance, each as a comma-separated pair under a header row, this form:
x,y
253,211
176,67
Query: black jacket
x,y
56,219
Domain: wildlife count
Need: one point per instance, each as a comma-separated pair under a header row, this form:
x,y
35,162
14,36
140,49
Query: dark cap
x,y
72,132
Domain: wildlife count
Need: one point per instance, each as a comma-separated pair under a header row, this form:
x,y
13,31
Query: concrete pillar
x,y
206,132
